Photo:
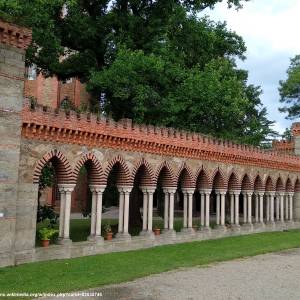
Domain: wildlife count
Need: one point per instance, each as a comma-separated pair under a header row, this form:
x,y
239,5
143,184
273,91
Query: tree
x,y
289,90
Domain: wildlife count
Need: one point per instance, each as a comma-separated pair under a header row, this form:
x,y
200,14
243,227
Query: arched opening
x,y
141,198
166,197
51,171
116,198
219,191
233,199
88,174
246,202
185,205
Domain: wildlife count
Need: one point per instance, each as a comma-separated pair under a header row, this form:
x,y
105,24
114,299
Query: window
x,y
31,72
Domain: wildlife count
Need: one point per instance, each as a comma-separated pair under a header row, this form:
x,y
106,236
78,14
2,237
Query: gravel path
x,y
271,276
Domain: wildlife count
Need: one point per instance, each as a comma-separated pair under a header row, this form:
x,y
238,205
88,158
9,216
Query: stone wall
x,y
13,40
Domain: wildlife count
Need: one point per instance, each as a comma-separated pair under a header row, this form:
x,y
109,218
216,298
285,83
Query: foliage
x,y
47,178
289,90
46,212
156,62
75,273
47,233
107,228
287,135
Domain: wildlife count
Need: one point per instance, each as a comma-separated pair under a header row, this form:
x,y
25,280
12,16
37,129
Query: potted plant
x,y
156,231
108,232
46,234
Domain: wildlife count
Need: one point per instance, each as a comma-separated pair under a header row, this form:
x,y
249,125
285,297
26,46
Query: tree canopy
x,y
289,90
157,62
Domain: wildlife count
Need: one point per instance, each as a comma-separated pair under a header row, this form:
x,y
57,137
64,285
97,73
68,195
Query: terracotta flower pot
x,y
109,236
156,231
45,243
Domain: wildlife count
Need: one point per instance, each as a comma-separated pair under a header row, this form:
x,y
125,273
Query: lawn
x,y
80,228
92,271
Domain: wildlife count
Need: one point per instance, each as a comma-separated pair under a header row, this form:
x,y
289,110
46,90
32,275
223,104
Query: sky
x,y
270,29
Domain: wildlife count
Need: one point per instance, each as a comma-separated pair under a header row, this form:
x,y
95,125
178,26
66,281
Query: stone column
x,y
237,218
150,210
93,215
218,196
190,211
99,191
232,196
171,208
145,208
126,210
223,208
272,207
121,211
291,217
282,207
207,212
256,207
61,211
268,207
249,200
202,208
277,199
286,200
66,235
261,207
245,207
166,209
185,208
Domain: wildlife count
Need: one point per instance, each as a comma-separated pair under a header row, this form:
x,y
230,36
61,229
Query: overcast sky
x,y
270,29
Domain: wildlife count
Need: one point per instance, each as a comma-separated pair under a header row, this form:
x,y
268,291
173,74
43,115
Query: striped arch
x,y
119,168
297,186
279,185
63,170
247,184
185,177
165,175
143,173
258,184
269,185
203,181
289,186
233,183
95,171
219,180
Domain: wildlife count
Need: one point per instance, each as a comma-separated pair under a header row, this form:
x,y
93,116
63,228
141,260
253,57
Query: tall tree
x,y
289,90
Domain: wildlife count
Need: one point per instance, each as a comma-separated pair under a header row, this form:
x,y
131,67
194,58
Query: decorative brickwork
x,y
258,184
165,175
279,185
14,35
144,173
101,132
233,183
95,172
63,170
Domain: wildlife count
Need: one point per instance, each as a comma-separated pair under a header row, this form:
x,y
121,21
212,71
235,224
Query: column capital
x,y
97,188
235,192
125,189
66,187
290,194
270,193
205,191
148,189
171,190
247,192
222,192
188,190
281,194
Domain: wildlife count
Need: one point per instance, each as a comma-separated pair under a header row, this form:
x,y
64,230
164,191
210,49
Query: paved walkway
x,y
271,276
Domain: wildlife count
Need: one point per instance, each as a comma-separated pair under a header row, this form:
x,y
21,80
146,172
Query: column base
x,y
147,234
259,225
98,239
236,227
247,226
169,232
63,241
206,229
221,228
271,225
121,236
188,230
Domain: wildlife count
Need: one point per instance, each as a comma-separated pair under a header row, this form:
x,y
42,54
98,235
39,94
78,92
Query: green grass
x,y
92,271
